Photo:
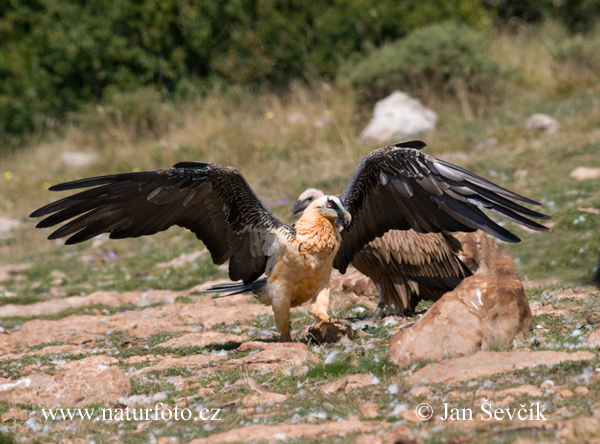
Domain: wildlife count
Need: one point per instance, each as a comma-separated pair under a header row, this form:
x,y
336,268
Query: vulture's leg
x,y
281,312
379,311
414,301
321,304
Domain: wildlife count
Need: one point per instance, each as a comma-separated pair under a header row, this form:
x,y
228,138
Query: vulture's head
x,y
330,207
305,199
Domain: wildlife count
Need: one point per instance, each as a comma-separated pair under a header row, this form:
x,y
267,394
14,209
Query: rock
x,y
348,383
368,410
589,210
397,117
7,224
328,332
410,416
368,439
205,339
289,432
15,414
479,251
8,271
582,390
264,398
173,317
353,287
485,363
422,391
108,298
75,385
570,294
297,118
7,343
542,122
140,401
577,429
565,393
593,339
194,362
482,312
524,390
399,435
74,159
288,358
585,173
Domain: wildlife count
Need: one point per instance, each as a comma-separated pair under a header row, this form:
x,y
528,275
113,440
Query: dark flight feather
x,y
428,195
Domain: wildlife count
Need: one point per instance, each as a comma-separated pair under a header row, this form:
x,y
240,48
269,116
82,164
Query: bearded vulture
x,y
405,266
395,187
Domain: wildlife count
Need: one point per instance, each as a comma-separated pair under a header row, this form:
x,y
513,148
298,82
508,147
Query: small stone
x,y
593,339
15,414
264,398
7,224
76,159
542,122
410,416
369,410
585,173
565,393
421,391
348,383
547,384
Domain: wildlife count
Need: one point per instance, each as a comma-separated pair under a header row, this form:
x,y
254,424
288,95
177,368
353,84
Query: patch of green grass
x,y
183,300
7,438
148,387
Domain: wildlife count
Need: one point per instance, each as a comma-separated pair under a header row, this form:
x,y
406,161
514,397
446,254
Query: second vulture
x,y
405,266
396,187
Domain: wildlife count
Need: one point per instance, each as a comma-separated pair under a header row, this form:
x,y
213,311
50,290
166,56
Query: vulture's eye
x,y
329,204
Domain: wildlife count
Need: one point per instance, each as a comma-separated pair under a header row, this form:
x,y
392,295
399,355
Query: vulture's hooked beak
x,y
344,218
300,205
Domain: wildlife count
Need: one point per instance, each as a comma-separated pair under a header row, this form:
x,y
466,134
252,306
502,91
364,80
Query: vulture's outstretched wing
x,y
213,201
399,187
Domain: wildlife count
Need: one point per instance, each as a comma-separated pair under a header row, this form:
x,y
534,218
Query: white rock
x,y
7,224
585,173
542,122
396,117
297,118
74,159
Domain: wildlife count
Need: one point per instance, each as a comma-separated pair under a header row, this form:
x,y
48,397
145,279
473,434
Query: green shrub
x,y
577,15
446,59
58,56
580,50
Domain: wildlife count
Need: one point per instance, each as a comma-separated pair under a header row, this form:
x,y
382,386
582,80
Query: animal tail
x,y
233,288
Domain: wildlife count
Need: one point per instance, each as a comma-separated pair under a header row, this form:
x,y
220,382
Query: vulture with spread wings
x,y
395,187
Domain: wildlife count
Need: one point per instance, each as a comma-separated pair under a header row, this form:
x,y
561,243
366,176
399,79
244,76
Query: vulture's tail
x,y
233,288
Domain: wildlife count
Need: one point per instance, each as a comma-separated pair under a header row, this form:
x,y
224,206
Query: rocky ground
x,y
169,367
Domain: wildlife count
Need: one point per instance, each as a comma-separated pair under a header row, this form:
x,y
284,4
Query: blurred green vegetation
x,y
446,59
56,57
